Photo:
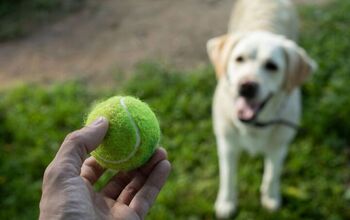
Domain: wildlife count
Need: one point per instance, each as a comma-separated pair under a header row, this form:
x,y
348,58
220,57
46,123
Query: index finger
x,y
117,183
91,170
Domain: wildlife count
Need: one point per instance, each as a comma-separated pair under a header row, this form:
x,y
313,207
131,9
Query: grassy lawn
x,y
316,179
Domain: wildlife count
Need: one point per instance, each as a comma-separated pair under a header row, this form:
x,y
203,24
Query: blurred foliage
x,y
32,122
18,17
325,34
35,119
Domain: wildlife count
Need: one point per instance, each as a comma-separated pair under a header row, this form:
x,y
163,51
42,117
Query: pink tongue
x,y
245,110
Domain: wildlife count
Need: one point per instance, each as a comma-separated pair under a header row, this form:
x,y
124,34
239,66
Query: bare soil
x,y
111,35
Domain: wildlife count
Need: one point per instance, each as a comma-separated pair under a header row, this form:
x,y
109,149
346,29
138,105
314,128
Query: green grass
x,y
316,179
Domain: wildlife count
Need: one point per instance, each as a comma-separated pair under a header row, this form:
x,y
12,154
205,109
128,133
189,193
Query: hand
x,y
68,193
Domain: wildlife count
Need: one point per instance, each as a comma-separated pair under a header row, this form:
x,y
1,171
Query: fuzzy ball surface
x,y
132,136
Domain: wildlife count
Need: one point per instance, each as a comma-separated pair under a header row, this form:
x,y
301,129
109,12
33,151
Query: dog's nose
x,y
248,89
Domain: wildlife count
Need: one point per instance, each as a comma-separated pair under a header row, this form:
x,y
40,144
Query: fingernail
x,y
161,148
98,121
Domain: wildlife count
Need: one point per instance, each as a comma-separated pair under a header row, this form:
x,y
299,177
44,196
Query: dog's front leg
x,y
226,202
270,187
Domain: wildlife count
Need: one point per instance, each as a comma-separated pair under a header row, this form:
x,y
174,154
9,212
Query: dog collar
x,y
260,124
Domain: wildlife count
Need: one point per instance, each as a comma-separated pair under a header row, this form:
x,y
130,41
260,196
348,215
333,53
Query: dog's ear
x,y
299,66
219,50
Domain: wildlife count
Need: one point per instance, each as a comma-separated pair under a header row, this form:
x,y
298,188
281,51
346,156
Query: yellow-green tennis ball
x,y
132,136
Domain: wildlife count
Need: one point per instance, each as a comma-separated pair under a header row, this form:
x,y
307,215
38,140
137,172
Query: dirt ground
x,y
116,34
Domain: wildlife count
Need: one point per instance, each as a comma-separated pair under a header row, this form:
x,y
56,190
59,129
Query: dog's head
x,y
256,65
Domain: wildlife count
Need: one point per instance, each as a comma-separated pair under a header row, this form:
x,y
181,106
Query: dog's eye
x,y
239,59
271,66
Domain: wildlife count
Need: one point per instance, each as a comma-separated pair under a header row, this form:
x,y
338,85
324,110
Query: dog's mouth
x,y
248,110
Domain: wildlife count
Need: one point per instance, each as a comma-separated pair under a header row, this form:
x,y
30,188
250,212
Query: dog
x,y
257,100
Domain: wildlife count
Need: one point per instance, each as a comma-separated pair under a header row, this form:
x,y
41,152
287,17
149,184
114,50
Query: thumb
x,y
78,144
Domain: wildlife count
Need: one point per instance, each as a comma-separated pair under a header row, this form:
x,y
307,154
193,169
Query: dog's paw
x,y
271,203
225,209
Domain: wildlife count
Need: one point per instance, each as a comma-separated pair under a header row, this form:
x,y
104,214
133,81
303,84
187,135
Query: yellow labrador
x,y
256,104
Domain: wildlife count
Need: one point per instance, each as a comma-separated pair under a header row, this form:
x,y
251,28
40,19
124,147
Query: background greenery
x,y
316,180
19,17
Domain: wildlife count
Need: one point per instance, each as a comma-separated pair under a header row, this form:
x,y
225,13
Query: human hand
x,y
68,193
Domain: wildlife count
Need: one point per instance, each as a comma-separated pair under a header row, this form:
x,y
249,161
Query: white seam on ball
x,y
138,138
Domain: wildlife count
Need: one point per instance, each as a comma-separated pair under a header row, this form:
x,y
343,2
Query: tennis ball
x,y
132,136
